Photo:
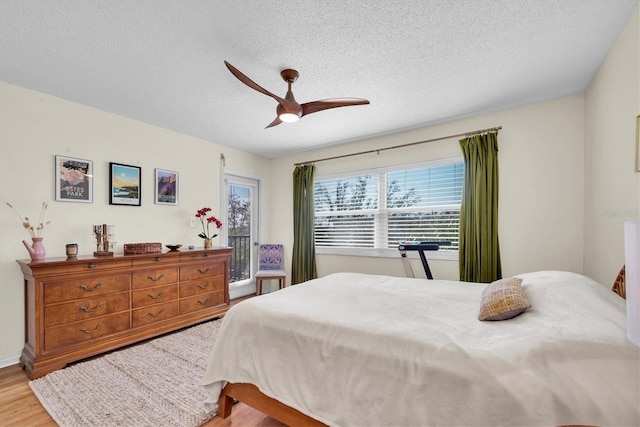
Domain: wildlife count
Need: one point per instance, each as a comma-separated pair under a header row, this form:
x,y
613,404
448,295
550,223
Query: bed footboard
x,y
250,395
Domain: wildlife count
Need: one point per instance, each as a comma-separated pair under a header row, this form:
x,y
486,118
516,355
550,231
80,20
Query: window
x,y
370,212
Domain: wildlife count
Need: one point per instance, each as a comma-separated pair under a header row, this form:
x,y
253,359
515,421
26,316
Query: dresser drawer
x,y
74,333
196,287
84,288
199,302
80,266
59,314
154,313
157,295
190,256
155,259
159,276
197,271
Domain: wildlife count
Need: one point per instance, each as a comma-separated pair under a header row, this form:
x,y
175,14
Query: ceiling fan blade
x,y
276,122
325,104
253,85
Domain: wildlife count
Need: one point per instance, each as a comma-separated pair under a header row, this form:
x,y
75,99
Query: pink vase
x,y
36,250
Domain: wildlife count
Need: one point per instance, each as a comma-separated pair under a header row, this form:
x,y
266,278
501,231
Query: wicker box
x,y
142,248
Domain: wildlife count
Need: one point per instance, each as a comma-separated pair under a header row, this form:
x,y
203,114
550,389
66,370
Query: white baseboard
x,y
238,291
14,360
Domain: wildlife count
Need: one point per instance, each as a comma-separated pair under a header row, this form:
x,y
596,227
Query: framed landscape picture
x,y
74,180
125,185
166,187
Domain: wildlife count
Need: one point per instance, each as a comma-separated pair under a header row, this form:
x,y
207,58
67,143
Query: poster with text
x,y
166,187
74,180
124,184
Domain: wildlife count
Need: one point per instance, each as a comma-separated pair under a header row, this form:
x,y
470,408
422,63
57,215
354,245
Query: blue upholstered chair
x,y
270,266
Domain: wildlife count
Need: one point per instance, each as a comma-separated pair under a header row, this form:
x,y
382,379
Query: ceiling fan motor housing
x,y
287,111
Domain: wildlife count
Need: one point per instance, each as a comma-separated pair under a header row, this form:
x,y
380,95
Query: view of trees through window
x,y
379,209
239,217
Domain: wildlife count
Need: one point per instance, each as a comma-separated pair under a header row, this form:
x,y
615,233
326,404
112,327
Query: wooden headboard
x,y
619,284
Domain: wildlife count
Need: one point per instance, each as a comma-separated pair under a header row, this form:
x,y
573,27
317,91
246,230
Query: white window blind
x,y
379,208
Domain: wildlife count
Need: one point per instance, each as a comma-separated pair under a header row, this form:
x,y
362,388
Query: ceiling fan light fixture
x,y
288,109
288,117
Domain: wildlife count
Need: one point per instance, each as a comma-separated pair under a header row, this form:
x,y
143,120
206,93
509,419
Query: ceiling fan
x,y
289,110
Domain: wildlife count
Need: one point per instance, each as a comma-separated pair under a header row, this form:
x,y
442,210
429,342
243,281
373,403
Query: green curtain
x,y
479,250
303,263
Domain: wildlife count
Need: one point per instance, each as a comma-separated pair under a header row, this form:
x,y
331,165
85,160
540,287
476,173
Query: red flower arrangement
x,y
202,214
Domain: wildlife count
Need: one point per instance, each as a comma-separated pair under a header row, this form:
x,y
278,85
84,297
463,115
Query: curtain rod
x,y
378,150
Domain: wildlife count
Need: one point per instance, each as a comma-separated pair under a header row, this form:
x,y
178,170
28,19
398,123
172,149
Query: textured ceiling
x,y
418,62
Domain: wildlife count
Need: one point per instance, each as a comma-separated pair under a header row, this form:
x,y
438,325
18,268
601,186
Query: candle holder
x,y
105,239
72,250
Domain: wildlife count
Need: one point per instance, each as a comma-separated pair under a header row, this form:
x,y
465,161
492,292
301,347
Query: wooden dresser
x,y
83,307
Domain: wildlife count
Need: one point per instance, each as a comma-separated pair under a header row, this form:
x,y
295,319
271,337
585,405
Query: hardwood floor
x,y
19,407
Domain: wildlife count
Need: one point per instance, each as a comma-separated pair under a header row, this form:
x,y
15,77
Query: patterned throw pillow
x,y
503,299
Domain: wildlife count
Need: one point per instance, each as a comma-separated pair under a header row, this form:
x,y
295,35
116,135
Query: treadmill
x,y
420,247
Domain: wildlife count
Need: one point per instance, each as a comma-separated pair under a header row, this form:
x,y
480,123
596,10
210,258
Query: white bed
x,y
361,350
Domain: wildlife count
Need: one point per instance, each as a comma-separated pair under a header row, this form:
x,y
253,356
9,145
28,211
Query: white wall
x,y
612,104
541,161
34,127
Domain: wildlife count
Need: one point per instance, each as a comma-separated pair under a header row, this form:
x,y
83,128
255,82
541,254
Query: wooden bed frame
x,y
250,395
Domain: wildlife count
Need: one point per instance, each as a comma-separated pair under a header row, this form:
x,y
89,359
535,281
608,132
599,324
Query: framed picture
x,y
638,143
124,184
166,187
74,180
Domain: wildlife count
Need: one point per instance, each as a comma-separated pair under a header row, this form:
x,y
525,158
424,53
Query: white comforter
x,y
362,350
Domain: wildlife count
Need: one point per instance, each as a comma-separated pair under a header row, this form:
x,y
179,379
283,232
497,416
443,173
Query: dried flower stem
x,y
33,231
41,221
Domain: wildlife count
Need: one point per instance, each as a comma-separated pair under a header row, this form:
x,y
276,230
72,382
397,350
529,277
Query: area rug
x,y
156,383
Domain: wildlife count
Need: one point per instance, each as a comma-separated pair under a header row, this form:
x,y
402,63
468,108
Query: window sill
x,y
387,253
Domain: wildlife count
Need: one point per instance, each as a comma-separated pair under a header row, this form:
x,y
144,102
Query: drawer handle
x,y
90,331
91,265
91,310
155,279
204,272
91,289
205,255
160,295
203,302
156,314
157,259
203,286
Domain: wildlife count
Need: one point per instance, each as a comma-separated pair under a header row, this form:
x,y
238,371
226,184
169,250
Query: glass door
x,y
242,229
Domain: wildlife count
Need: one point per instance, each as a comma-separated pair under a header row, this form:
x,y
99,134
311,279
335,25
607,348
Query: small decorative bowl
x,y
173,247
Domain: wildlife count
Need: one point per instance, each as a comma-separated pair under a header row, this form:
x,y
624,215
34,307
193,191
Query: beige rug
x,y
156,383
